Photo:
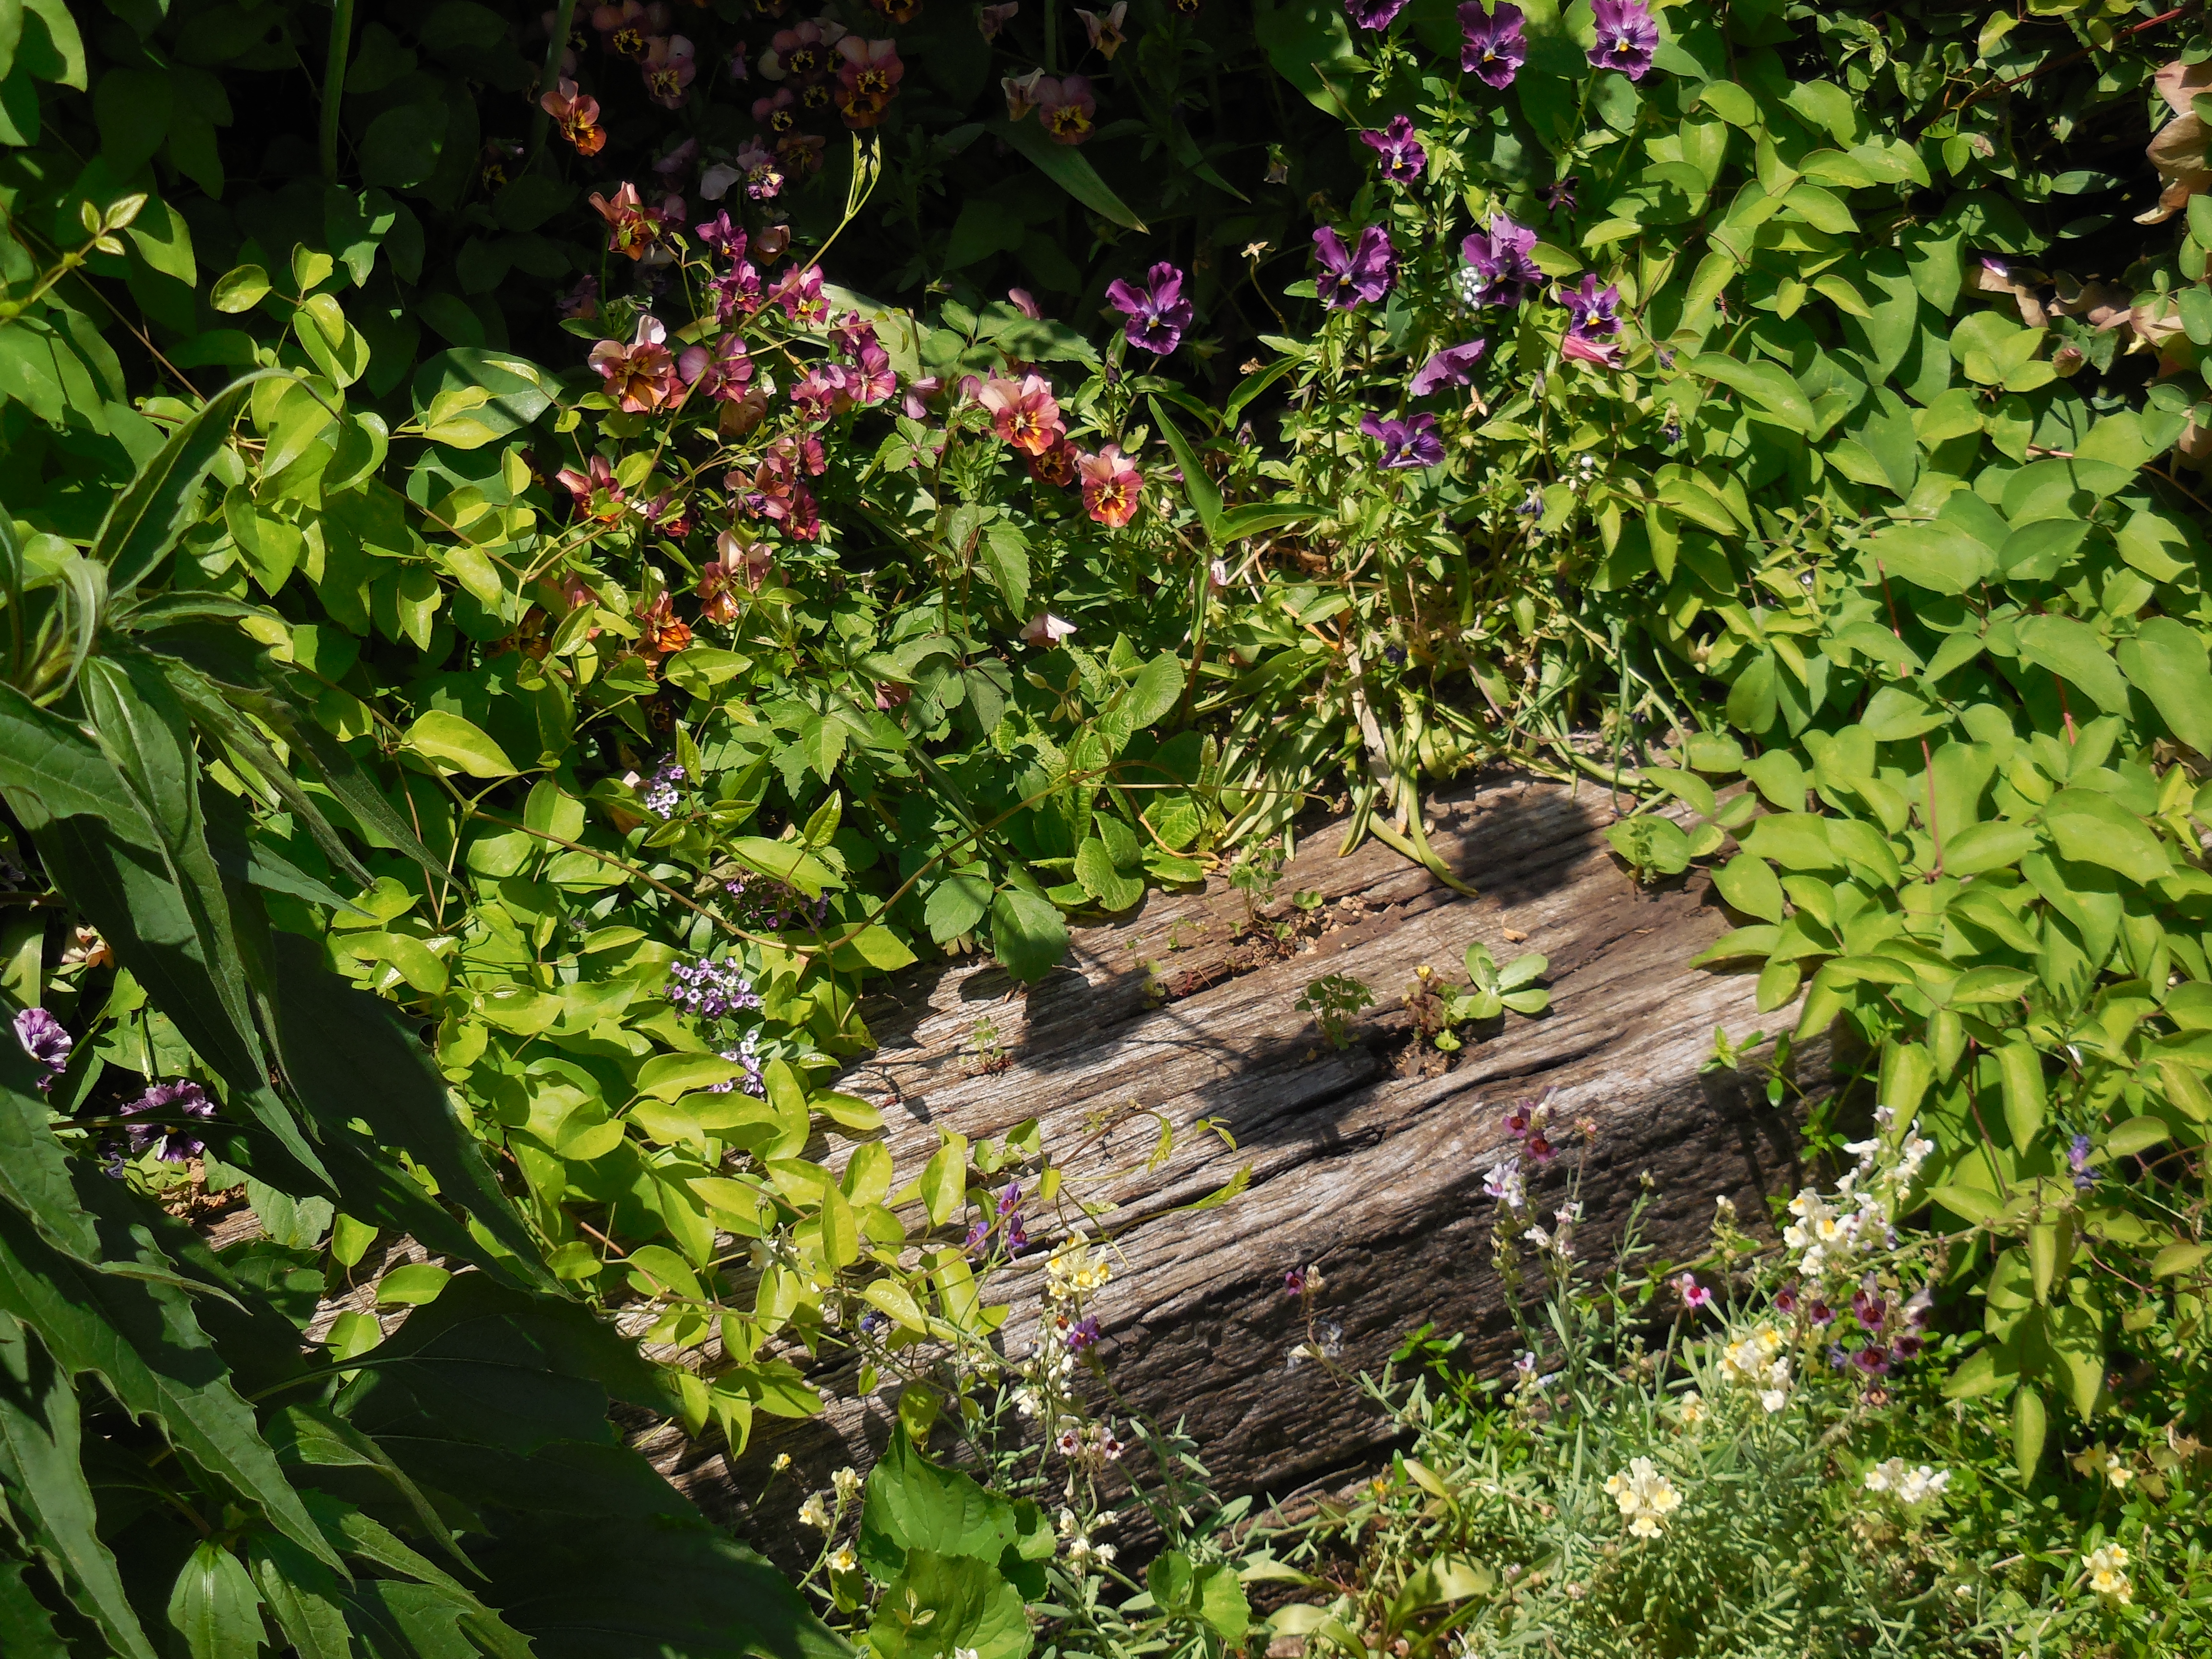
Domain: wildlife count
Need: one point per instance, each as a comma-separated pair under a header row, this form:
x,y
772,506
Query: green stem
x,y
334,70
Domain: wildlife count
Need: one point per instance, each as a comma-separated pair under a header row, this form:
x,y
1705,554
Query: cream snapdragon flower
x,y
1645,1496
2106,1576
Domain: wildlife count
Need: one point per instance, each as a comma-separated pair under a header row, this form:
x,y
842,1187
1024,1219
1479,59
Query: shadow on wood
x,y
1368,1162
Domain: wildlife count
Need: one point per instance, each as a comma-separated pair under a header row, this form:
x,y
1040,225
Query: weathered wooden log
x,y
1367,1161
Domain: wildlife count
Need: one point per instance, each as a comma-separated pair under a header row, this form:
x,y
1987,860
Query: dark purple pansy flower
x,y
1868,1309
1494,48
183,1098
1907,1345
1373,13
1018,1237
723,237
1011,1199
1820,1313
44,1041
1408,443
1402,156
1785,1299
1595,313
1499,271
1158,312
1367,271
1453,366
1083,1333
1294,1282
1594,320
1872,1360
1560,197
1626,37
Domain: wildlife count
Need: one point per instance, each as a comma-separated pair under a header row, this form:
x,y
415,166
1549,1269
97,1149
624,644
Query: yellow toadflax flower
x,y
2106,1576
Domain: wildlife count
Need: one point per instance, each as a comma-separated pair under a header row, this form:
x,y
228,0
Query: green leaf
x,y
939,1602
51,1502
1934,557
161,503
2166,662
144,1341
955,905
1748,883
214,1605
2021,1070
1769,386
1154,691
454,742
1095,869
349,1059
1203,494
2136,1135
1069,168
301,1594
1003,557
2090,827
666,1076
2071,649
240,289
416,1283
1028,936
2028,1425
945,1180
34,1171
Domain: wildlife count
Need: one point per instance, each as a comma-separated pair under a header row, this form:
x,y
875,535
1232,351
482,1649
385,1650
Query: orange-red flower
x,y
1022,413
660,633
578,113
632,228
1112,488
640,376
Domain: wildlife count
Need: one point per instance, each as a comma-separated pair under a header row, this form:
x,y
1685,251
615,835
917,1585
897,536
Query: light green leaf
x,y
453,741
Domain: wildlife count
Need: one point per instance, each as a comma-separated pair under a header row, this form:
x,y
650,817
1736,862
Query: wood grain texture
x,y
1360,1162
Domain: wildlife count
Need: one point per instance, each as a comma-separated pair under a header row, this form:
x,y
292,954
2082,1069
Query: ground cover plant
x,y
550,548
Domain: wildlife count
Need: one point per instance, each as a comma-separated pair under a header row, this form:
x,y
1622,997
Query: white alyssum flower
x,y
1755,1360
847,1483
843,1560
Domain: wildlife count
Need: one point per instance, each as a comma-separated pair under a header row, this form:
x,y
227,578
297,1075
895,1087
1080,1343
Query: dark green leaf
x,y
149,516
44,1478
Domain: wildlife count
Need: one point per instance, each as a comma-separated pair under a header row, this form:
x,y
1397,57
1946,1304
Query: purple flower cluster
x,y
1399,151
1008,1219
1526,1123
1500,271
45,1041
1626,37
770,906
1494,48
1890,1332
661,790
2077,1156
747,1055
710,990
1367,270
183,1099
1083,1333
1158,312
1406,443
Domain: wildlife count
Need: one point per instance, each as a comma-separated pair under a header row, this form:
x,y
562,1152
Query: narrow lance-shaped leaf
x,y
145,1343
156,508
41,1467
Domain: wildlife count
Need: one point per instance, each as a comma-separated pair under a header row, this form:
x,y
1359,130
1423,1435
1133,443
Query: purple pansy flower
x,y
1409,443
1082,1334
1373,13
1499,271
1560,197
1596,314
1626,37
1494,47
1453,366
1402,155
1594,321
1158,312
1368,272
183,1098
44,1040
